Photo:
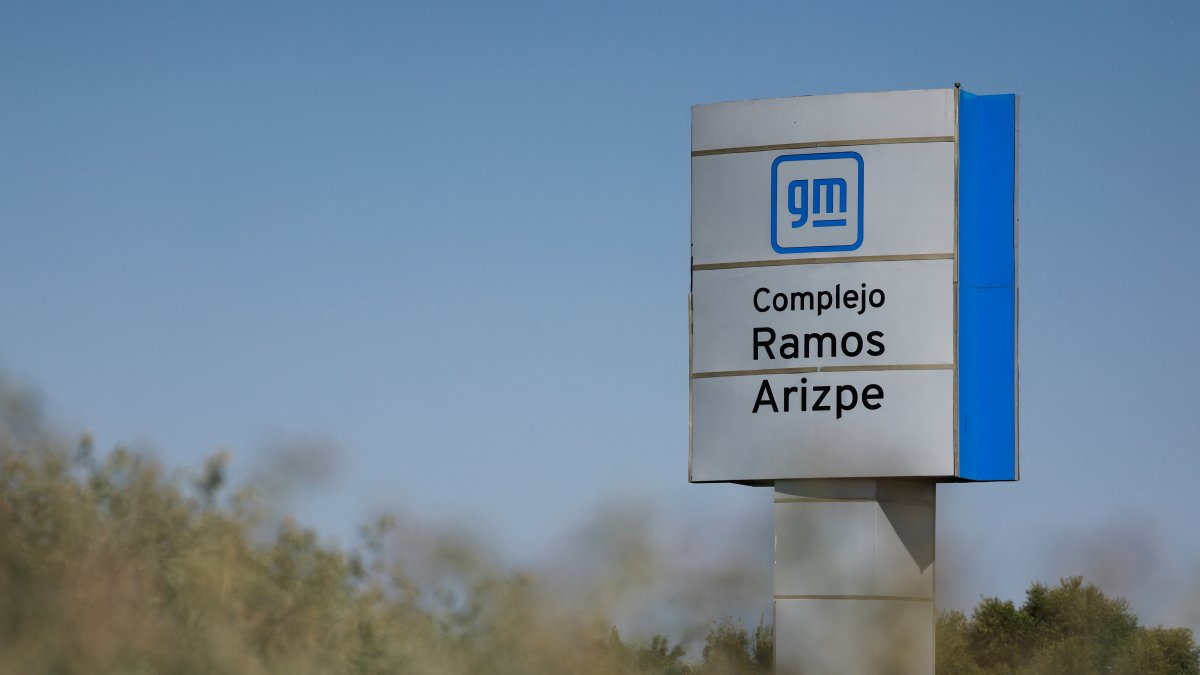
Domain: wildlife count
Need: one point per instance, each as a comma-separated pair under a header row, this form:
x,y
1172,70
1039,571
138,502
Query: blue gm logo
x,y
817,202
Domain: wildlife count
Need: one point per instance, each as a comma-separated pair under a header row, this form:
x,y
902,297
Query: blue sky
x,y
452,239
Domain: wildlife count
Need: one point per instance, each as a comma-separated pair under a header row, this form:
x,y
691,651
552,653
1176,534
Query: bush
x,y
113,566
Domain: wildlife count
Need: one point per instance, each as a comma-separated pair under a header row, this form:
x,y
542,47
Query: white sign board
x,y
826,312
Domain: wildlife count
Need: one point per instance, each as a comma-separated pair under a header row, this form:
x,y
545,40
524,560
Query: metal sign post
x,y
854,576
853,342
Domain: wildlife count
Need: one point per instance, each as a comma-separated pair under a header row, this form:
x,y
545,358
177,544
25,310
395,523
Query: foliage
x,y
1068,629
110,566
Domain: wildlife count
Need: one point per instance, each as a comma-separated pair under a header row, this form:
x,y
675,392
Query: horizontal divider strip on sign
x,y
823,144
822,261
916,598
822,369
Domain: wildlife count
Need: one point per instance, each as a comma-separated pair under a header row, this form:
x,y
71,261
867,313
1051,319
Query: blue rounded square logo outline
x,y
775,201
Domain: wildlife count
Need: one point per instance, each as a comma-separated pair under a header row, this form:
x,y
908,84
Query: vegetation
x,y
1071,628
111,566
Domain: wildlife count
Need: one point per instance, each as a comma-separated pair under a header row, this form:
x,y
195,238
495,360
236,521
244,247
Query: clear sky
x,y
452,239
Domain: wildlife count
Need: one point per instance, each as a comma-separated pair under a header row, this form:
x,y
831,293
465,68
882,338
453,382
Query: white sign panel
x,y
903,204
849,314
840,424
718,127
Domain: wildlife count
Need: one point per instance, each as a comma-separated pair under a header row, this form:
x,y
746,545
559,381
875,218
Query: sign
x,y
853,306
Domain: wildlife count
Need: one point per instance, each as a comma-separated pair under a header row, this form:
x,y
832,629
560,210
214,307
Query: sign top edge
x,y
916,113
810,97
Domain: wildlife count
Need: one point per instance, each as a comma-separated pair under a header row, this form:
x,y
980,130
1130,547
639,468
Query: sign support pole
x,y
854,576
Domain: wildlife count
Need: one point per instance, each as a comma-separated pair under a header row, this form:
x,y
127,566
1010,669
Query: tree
x,y
729,649
1068,629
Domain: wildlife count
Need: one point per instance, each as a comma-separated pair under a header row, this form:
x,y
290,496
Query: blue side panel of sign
x,y
987,294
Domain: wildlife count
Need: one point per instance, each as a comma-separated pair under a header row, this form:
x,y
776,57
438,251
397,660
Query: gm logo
x,y
817,202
